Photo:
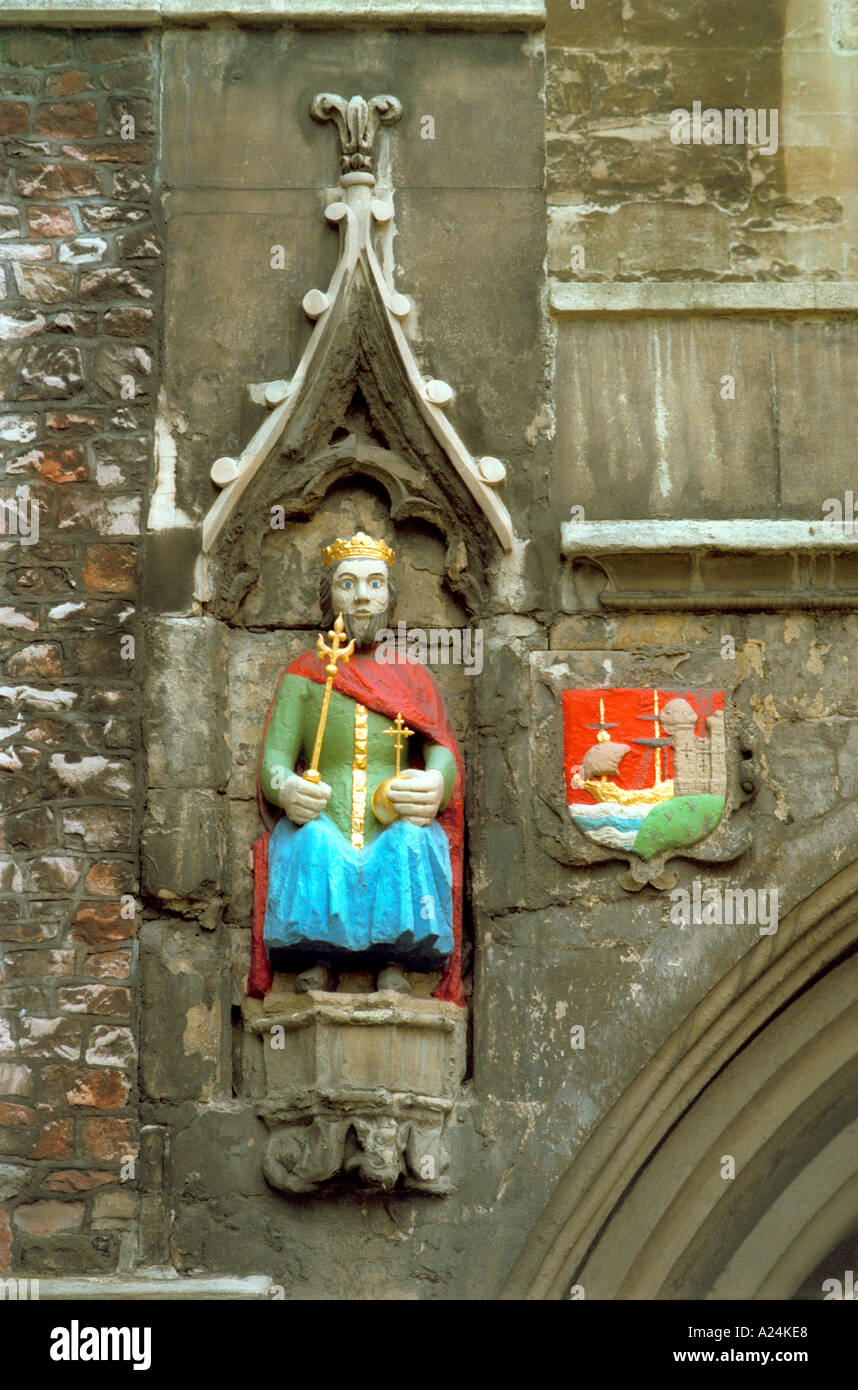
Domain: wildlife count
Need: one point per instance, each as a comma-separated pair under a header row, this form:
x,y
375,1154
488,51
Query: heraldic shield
x,y
645,770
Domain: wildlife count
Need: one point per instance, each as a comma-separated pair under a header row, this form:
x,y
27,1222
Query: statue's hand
x,y
301,800
416,795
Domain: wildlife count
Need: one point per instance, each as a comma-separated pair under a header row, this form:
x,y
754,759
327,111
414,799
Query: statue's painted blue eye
x,y
347,584
376,583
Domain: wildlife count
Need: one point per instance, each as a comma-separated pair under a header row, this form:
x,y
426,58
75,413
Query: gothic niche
x,y
354,1013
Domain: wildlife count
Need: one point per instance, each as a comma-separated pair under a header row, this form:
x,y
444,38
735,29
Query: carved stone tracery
x,y
358,351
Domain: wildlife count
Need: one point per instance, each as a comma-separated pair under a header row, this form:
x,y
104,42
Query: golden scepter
x,y
382,806
335,654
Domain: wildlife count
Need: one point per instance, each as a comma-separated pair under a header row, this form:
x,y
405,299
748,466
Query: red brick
x,y
116,282
63,118
72,422
38,661
55,873
77,1180
14,117
49,1037
93,776
21,964
16,1116
124,152
98,828
101,924
57,464
48,180
55,1140
31,829
108,965
79,1087
50,222
128,322
44,284
29,998
68,84
96,999
111,702
110,569
108,879
15,1080
109,1140
5,1242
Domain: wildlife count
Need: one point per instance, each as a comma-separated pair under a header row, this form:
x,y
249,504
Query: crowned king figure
x,y
359,865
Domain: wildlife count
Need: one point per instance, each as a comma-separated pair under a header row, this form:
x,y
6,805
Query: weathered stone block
x,y
68,1254
238,871
256,662
37,48
114,1206
184,1019
183,843
644,430
815,364
14,1179
638,239
248,70
186,662
169,558
360,1083
45,1218
15,1080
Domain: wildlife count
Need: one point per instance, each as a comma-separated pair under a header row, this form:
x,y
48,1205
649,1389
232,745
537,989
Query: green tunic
x,y
289,746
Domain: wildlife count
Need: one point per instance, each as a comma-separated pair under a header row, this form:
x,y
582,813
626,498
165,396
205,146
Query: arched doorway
x,y
764,1074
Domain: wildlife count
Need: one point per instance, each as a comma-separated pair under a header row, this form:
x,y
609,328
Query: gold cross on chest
x,y
400,733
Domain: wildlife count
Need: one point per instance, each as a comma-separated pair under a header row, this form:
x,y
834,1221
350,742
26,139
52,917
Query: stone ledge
x,y
150,1286
701,297
708,566
742,535
381,1007
418,14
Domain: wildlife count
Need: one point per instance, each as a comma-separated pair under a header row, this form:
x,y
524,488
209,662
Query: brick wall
x,y
79,277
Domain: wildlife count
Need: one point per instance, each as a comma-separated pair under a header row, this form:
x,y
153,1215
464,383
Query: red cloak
x,y
406,688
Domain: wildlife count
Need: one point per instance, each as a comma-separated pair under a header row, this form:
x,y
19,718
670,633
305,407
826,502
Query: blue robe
x,y
390,902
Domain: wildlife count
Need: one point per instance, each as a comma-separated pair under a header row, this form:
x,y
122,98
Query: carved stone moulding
x,y
708,566
359,1087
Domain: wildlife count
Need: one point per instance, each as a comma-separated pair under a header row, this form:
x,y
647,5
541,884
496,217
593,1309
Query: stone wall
x,y
81,290
598,378
645,208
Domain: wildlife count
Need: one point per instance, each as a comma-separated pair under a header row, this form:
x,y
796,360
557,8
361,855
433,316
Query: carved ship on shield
x,y
654,794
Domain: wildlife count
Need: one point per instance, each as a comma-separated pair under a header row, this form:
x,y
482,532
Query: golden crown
x,y
360,546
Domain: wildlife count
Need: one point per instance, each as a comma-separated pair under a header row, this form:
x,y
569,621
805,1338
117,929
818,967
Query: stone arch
x,y
764,1069
350,460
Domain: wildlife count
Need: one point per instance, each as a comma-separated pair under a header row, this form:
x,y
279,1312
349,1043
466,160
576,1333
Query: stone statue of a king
x,y
362,869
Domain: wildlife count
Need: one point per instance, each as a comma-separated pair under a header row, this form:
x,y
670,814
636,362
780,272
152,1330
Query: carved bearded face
x,y
361,591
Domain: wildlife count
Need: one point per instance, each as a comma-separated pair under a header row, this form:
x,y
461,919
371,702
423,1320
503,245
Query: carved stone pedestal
x,y
358,1086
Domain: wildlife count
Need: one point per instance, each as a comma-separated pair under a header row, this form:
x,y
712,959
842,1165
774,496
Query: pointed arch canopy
x,y
358,344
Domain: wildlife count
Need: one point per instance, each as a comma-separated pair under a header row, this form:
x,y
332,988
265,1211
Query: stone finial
x,y
357,121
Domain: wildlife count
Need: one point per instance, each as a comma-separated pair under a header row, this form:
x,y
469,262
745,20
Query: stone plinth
x,y
358,1086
